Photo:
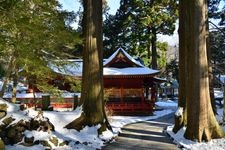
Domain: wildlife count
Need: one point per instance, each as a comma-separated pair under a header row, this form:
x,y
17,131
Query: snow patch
x,y
179,111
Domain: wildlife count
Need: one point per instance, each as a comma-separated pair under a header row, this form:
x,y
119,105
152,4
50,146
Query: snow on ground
x,y
215,144
117,122
87,138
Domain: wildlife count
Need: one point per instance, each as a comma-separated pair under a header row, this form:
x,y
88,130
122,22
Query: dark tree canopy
x,y
136,25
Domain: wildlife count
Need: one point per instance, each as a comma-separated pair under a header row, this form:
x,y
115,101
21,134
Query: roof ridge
x,y
126,54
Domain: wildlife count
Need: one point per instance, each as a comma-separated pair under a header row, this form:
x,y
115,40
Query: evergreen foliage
x,y
217,46
33,33
136,25
172,68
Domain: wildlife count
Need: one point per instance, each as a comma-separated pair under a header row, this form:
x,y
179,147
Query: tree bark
x,y
211,76
180,121
92,98
201,122
149,48
154,50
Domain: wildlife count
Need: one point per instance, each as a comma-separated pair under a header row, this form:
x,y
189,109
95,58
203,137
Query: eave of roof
x,y
74,67
129,71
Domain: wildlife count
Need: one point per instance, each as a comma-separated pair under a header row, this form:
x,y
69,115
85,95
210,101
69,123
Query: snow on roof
x,y
126,54
74,67
20,87
160,79
129,71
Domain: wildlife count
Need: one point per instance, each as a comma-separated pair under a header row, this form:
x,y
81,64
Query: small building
x,y
169,89
129,86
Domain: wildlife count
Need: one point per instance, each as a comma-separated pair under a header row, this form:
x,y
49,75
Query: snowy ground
x,y
87,138
215,144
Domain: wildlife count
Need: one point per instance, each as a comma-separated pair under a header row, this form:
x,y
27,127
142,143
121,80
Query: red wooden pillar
x,y
146,92
153,95
143,95
121,90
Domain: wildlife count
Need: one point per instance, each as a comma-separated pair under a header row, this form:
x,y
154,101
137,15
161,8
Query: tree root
x,y
178,123
77,124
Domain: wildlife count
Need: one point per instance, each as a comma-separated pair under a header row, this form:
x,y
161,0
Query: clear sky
x,y
73,5
114,5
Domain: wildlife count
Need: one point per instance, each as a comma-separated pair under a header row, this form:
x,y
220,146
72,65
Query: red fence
x,y
122,108
61,103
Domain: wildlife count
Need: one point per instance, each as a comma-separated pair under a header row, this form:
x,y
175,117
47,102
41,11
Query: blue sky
x,y
73,5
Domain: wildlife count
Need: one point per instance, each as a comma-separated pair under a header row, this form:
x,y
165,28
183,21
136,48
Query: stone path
x,y
147,135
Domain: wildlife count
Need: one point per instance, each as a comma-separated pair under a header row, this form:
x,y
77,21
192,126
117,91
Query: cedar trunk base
x,y
206,135
179,123
79,123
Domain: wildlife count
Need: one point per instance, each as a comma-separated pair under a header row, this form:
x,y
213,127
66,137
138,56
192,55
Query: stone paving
x,y
147,135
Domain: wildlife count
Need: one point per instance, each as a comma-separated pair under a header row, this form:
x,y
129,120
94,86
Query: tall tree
x,y
139,26
180,121
201,122
214,45
92,98
32,34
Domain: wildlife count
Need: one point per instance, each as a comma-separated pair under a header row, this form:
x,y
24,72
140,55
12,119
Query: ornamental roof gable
x,y
121,59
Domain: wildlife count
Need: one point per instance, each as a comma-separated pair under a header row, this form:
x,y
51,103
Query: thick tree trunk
x,y
92,98
149,48
180,121
154,50
211,78
201,122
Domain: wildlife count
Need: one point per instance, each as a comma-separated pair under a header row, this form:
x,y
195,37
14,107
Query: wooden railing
x,y
130,108
122,108
65,103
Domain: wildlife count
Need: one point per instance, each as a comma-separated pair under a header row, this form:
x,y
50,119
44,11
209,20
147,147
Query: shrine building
x,y
129,86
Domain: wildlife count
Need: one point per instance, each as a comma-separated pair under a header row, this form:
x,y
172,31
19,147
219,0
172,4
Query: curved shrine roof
x,y
74,67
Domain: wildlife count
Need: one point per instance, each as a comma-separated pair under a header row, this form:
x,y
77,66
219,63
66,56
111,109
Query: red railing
x,y
140,108
116,107
65,103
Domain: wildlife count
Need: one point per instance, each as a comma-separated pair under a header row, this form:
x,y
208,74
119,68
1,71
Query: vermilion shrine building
x,y
130,87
